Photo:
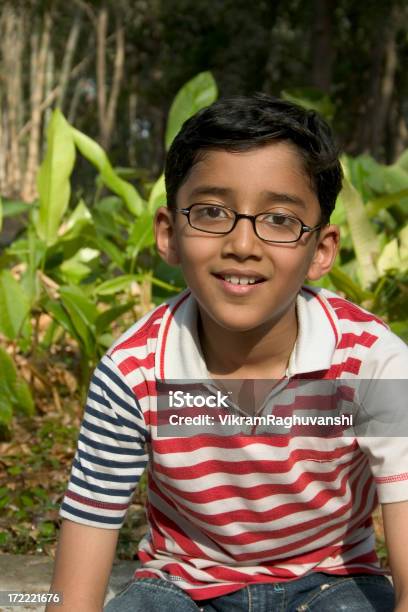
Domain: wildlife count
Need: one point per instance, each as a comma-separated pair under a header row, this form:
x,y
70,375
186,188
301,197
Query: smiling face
x,y
221,270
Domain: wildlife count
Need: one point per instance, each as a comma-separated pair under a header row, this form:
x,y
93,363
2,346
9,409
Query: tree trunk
x,y
12,50
101,28
68,60
322,44
107,104
373,114
116,83
29,191
132,102
386,87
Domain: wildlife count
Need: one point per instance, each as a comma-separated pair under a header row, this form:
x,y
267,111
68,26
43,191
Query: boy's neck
x,y
261,353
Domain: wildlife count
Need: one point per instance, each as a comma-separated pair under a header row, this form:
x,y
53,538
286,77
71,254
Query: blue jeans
x,y
315,592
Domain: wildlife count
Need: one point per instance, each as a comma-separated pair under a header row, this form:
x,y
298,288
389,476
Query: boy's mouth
x,y
235,279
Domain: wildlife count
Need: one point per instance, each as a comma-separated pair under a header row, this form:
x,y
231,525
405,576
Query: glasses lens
x,y
210,218
278,228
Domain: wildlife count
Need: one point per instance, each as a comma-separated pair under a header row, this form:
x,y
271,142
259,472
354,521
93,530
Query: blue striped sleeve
x,y
111,453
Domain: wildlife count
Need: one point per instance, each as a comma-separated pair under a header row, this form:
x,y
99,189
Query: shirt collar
x,y
179,354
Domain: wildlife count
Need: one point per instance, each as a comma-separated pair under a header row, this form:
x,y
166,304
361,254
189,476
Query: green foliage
x,y
97,156
83,265
201,91
312,99
54,187
14,307
14,393
372,264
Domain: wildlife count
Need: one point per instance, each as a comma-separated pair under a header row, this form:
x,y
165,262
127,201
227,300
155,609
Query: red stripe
x,y
328,315
149,329
166,331
260,491
146,388
314,556
193,443
95,504
282,466
276,513
351,365
130,364
174,531
283,550
347,310
394,478
349,340
250,537
234,575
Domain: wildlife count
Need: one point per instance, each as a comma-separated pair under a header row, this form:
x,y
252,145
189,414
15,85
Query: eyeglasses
x,y
268,226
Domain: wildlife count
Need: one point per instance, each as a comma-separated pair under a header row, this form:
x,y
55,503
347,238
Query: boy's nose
x,y
242,241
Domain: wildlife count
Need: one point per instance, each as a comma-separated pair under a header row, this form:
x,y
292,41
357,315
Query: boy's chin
x,y
238,324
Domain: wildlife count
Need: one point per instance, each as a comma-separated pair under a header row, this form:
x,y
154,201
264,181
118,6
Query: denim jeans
x,y
315,592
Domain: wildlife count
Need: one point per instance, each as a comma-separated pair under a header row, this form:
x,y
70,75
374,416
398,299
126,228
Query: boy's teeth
x,y
240,280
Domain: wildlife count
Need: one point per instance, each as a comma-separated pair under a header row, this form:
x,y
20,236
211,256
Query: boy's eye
x,y
211,212
277,219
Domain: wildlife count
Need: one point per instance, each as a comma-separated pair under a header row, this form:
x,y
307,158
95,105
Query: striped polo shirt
x,y
224,511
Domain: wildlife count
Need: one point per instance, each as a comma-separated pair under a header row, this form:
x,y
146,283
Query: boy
x,y
241,522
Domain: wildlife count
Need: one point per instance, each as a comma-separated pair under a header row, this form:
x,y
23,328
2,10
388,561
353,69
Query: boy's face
x,y
269,178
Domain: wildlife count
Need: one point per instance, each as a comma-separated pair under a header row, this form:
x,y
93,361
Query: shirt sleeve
x,y
382,423
110,455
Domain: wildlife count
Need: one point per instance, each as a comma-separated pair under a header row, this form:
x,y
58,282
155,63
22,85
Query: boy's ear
x,y
165,235
325,252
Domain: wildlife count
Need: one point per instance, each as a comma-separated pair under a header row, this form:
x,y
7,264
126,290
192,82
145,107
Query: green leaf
x,y
14,391
394,255
82,313
94,153
60,315
310,98
15,470
170,275
142,236
6,410
346,285
104,320
158,195
401,329
53,177
23,399
26,500
12,208
14,307
76,268
110,249
47,529
375,206
365,241
73,271
79,218
199,92
402,161
116,285
163,285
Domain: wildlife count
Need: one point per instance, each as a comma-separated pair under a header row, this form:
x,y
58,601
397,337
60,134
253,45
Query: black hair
x,y
243,123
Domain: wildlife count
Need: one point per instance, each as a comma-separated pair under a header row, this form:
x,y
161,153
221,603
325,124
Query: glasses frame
x,y
303,227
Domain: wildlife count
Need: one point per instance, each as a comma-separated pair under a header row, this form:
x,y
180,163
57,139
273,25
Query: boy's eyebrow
x,y
277,196
269,196
210,190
